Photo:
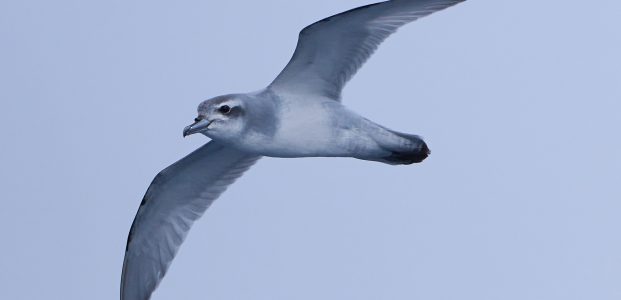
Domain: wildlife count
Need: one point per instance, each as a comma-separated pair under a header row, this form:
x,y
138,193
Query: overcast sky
x,y
519,101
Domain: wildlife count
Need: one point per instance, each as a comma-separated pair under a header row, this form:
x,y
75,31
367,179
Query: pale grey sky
x,y
520,102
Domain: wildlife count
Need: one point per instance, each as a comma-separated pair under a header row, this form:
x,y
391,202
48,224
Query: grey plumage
x,y
298,115
178,196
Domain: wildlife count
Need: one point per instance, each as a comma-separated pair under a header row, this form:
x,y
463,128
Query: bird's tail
x,y
414,150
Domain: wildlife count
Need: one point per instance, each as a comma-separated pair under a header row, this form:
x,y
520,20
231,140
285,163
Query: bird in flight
x,y
298,115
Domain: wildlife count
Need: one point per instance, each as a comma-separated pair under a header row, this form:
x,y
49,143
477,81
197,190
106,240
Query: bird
x,y
299,114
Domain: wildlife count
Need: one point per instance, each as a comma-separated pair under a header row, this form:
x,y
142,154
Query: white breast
x,y
305,129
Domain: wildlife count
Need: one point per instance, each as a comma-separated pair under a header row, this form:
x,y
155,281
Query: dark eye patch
x,y
224,109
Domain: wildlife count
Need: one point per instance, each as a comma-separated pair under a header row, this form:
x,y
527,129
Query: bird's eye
x,y
197,119
224,109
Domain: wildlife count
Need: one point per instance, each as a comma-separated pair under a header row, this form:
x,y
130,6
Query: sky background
x,y
519,101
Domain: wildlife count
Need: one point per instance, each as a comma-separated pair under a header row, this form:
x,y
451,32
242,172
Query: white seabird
x,y
298,115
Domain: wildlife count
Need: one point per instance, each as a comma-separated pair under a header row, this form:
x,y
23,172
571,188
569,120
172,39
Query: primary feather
x,y
178,196
330,51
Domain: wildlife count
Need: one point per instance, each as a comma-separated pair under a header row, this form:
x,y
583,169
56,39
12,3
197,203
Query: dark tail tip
x,y
410,157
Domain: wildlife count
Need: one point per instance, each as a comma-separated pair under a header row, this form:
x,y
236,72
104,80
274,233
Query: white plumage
x,y
298,115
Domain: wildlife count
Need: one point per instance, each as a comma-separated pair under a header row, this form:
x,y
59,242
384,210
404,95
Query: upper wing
x,y
329,52
178,196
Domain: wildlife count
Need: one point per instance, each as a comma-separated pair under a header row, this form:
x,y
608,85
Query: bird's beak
x,y
196,127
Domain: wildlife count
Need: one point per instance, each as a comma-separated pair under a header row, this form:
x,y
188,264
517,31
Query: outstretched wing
x,y
178,196
329,52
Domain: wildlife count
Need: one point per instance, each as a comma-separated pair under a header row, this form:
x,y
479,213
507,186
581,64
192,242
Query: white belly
x,y
317,129
305,130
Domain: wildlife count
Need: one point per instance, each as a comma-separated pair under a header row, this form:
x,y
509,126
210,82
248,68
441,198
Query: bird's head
x,y
219,118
